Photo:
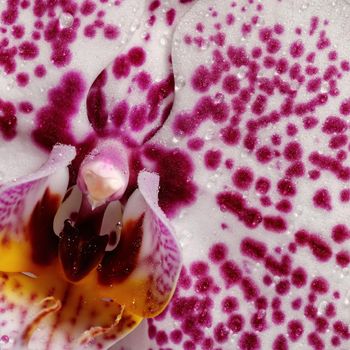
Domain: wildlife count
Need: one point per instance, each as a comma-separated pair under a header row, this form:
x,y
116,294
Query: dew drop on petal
x,y
66,20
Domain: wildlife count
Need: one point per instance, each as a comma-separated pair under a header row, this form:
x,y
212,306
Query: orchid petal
x,y
141,273
51,54
21,211
48,313
262,120
133,96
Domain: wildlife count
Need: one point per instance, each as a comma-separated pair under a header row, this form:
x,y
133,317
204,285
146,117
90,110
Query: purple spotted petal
x,y
261,128
19,199
133,96
51,52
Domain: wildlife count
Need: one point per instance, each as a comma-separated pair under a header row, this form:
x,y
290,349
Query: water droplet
x,y
219,98
321,308
295,85
304,6
135,25
66,20
347,299
30,274
324,87
10,85
260,22
185,237
164,40
276,279
176,42
180,82
175,140
261,314
242,71
298,211
205,45
209,134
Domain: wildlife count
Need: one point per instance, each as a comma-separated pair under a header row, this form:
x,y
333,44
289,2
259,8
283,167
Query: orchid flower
x,y
249,141
84,288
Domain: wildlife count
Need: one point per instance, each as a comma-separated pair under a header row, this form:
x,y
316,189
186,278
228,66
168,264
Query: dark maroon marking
x,y
170,16
322,199
43,240
230,84
293,151
278,317
230,272
137,56
137,117
236,204
330,164
8,120
284,206
254,249
282,287
121,67
87,7
278,268
96,104
229,304
274,223
79,256
343,258
243,178
315,341
28,50
299,277
218,252
280,343
295,330
264,154
340,233
319,248
154,5
118,264
175,169
221,333
319,285
249,341
143,80
262,185
334,125
53,121
249,288
212,159
201,79
345,107
199,268
286,187
110,32
235,323
120,113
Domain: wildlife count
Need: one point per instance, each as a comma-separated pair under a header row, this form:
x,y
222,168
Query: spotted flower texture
x,y
134,133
